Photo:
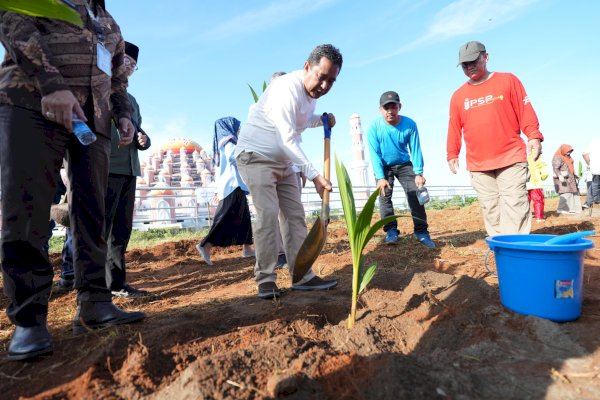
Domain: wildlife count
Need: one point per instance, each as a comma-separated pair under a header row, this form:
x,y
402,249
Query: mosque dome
x,y
175,145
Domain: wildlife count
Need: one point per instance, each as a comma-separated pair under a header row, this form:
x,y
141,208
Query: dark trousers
x,y
32,151
406,177
120,199
594,191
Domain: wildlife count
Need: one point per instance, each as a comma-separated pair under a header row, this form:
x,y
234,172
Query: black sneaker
x,y
281,261
129,292
268,290
315,283
65,285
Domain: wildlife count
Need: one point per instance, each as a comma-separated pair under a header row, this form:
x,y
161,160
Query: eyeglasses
x,y
128,61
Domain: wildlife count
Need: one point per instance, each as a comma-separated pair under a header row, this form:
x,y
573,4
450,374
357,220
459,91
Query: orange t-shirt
x,y
491,117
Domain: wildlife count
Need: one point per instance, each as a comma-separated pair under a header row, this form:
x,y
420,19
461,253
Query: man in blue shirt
x,y
396,152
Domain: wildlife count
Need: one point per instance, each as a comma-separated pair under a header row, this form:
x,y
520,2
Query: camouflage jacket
x,y
45,55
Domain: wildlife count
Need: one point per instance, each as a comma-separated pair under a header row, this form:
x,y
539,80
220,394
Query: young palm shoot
x,y
360,231
255,96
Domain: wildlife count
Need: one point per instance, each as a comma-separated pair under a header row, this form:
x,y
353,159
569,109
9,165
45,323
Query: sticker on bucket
x,y
564,289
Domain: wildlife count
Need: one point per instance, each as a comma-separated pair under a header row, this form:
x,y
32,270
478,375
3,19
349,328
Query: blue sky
x,y
195,62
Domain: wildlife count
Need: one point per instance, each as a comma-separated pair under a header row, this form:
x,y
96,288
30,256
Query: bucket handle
x,y
485,262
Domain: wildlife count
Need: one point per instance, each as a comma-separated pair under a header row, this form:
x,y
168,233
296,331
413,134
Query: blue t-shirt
x,y
394,145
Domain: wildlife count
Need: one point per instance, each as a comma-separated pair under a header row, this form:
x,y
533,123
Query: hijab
x,y
563,152
226,130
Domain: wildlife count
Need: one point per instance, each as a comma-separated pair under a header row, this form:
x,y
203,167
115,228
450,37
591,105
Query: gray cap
x,y
470,51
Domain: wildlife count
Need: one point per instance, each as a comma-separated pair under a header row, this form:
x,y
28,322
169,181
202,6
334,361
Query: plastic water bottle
x,y
422,195
82,131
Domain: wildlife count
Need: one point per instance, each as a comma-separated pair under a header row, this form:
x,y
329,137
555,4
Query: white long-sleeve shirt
x,y
275,124
226,174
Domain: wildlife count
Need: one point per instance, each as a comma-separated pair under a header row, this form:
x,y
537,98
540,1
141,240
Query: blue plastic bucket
x,y
539,279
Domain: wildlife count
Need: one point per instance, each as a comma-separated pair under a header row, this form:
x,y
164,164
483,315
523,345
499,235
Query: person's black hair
x,y
328,51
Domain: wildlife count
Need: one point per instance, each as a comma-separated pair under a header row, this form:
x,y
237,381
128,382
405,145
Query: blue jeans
x,y
66,269
406,176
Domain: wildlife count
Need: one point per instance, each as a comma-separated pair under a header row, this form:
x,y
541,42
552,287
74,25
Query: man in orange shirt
x,y
490,111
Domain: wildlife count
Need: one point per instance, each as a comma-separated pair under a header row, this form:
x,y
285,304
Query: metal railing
x,y
195,207
190,207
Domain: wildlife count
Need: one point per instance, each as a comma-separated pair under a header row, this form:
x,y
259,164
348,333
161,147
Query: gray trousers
x,y
32,151
273,187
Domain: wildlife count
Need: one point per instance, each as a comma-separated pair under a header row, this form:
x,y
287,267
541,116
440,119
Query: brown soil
x,y
430,325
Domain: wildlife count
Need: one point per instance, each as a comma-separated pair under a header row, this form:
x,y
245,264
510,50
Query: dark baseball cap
x,y
389,97
470,51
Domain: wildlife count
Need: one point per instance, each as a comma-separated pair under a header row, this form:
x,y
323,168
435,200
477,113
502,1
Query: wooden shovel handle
x,y
327,160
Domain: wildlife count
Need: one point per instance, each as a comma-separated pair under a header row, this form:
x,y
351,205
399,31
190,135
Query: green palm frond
x,y
55,9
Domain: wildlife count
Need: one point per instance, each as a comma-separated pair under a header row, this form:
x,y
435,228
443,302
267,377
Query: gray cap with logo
x,y
470,51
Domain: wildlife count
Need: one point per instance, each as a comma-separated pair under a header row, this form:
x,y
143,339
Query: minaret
x,y
359,165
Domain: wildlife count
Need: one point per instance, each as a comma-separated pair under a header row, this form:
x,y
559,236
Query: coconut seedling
x,y
360,231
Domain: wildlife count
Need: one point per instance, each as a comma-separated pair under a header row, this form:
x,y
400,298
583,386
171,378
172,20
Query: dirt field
x,y
430,325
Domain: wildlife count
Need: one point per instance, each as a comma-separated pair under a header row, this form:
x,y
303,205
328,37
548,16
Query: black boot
x,y
29,342
102,314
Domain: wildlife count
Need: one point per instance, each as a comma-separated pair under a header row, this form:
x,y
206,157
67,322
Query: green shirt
x,y
125,160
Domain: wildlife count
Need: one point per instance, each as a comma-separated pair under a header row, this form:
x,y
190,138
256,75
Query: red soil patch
x,y
430,325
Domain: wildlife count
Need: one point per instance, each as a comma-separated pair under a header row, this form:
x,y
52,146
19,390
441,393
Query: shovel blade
x,y
310,249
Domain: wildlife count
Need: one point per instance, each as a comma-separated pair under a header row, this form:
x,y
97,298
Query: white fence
x,y
195,207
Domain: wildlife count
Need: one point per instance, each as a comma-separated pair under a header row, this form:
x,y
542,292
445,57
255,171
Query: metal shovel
x,y
314,242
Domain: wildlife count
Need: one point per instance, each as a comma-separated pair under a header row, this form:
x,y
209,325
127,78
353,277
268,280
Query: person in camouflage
x,y
51,71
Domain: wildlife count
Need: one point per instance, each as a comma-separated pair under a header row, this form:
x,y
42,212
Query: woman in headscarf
x,y
565,180
231,225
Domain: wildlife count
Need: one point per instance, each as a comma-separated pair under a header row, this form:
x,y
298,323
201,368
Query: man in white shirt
x,y
267,149
592,158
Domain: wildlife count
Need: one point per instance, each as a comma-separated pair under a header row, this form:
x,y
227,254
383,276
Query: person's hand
x,y
383,184
321,184
420,180
331,118
304,178
126,131
534,146
561,179
142,139
59,107
453,164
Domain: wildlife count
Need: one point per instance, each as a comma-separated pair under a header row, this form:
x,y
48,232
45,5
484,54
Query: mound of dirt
x,y
430,325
